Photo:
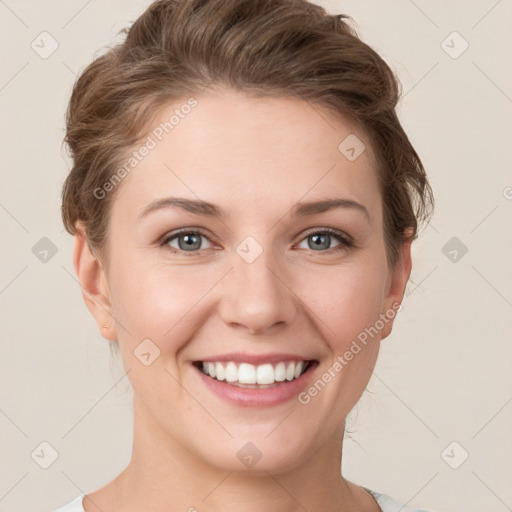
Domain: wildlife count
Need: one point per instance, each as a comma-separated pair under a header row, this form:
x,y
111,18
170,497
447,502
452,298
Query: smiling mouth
x,y
247,375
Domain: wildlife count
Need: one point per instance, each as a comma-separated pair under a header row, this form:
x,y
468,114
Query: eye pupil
x,y
318,238
192,241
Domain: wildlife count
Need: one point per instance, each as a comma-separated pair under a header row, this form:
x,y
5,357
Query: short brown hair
x,y
261,47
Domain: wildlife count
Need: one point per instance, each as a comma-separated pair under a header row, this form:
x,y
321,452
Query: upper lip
x,y
254,359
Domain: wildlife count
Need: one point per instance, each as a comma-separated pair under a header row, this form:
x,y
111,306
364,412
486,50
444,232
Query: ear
x,y
399,276
93,283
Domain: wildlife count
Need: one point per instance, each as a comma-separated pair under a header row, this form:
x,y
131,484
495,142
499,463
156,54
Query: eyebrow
x,y
301,209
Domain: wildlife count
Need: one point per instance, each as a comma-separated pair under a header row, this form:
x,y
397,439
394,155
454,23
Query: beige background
x,y
444,375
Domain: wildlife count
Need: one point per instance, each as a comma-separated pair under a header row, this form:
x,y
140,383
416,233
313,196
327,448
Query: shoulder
x,y
389,504
386,503
73,506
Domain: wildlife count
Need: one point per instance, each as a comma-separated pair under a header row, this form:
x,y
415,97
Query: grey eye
x,y
319,241
188,241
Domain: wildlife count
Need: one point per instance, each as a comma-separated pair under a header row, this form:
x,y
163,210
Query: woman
x,y
243,200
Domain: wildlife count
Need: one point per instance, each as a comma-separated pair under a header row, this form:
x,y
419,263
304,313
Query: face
x,y
224,249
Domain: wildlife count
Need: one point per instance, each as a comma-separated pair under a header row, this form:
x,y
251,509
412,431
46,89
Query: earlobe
x,y
398,281
94,286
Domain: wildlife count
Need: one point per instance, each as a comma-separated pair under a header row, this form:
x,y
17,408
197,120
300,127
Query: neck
x,y
163,475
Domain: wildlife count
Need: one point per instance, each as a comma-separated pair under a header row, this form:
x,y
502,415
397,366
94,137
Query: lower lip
x,y
254,397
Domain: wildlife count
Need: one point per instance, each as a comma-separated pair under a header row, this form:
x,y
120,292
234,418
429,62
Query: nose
x,y
257,296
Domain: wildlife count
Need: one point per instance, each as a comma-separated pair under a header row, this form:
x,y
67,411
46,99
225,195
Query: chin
x,y
255,455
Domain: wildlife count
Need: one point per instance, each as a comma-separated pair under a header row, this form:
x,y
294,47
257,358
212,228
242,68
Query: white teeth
x,y
298,369
290,371
231,372
280,372
220,372
247,374
250,374
265,374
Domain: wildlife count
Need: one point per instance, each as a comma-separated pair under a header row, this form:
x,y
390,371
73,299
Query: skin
x,y
254,158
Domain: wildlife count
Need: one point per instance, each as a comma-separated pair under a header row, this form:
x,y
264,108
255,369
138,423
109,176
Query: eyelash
x,y
346,242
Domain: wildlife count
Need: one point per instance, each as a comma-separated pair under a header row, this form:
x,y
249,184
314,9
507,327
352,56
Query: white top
x,y
386,503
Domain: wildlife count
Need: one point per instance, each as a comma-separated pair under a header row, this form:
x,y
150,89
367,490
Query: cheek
x,y
344,300
345,303
153,300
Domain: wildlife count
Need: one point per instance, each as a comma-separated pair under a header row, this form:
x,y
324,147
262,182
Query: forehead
x,y
256,154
